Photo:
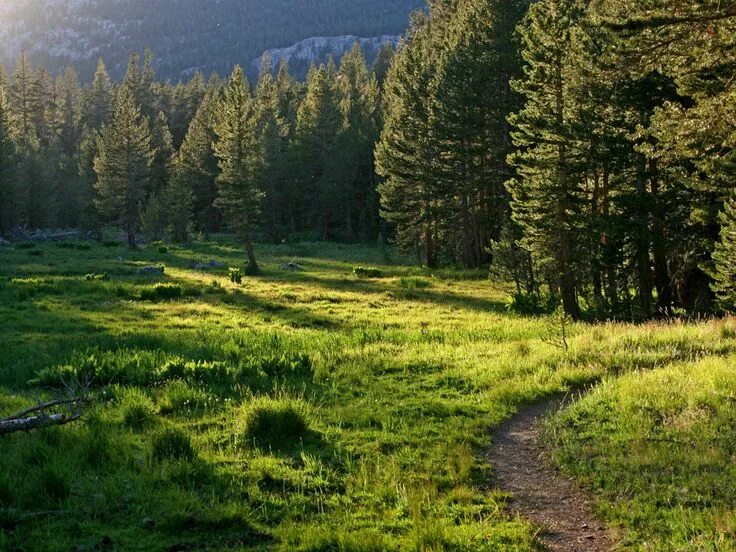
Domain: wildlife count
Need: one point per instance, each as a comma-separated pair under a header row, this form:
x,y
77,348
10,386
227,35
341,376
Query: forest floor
x,y
317,410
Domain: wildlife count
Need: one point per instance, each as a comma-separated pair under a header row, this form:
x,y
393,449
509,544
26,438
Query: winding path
x,y
539,492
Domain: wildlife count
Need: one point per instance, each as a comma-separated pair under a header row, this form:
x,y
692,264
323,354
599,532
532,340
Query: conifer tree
x,y
724,258
99,100
22,100
69,122
195,169
547,196
412,198
318,122
238,193
8,166
123,164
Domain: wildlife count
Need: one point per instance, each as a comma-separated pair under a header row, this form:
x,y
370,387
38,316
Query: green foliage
x,y
161,292
173,444
367,272
236,275
275,423
414,283
137,409
123,164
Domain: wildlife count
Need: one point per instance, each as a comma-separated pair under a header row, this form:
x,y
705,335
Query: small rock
x,y
292,267
148,523
216,264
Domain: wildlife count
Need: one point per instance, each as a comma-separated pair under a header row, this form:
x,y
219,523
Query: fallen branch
x,y
37,422
42,415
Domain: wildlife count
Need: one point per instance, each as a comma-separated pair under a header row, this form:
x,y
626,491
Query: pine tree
x,y
99,100
318,122
547,195
353,164
195,169
69,123
22,101
238,194
724,258
412,198
471,101
8,166
123,164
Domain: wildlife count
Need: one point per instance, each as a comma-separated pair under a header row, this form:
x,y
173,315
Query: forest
x,y
478,295
600,175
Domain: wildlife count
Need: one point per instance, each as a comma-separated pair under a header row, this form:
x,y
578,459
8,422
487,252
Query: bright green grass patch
x,y
306,410
660,446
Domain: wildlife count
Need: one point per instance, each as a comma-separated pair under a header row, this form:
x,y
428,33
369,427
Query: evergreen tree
x,y
22,101
123,164
318,121
471,101
412,198
8,166
547,193
99,100
195,169
238,194
69,122
724,257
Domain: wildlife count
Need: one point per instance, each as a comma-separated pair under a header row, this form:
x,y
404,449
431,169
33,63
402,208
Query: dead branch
x,y
47,414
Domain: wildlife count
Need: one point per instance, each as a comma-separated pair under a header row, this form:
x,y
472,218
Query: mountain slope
x,y
184,34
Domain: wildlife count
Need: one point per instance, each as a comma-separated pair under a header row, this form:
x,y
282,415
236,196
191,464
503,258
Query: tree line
x,y
583,147
281,157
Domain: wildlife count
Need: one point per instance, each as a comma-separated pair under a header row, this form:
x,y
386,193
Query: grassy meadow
x,y
322,410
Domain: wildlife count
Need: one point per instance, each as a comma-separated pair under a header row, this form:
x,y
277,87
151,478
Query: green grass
x,y
660,448
314,410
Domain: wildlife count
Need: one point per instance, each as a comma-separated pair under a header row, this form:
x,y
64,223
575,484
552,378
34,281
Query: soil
x,y
539,492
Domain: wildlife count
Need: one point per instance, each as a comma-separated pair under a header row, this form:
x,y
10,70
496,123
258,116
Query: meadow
x,y
331,408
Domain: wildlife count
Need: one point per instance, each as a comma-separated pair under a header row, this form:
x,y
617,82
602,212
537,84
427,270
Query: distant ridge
x,y
190,35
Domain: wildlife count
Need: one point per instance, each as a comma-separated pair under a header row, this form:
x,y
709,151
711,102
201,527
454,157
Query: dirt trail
x,y
540,493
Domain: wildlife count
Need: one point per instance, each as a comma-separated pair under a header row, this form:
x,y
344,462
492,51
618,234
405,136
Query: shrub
x,y
26,245
111,243
367,272
414,283
532,304
214,288
179,397
138,410
84,246
173,443
163,249
35,253
236,275
161,292
275,423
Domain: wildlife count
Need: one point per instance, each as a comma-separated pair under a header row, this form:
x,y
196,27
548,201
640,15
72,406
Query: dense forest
x,y
185,34
567,144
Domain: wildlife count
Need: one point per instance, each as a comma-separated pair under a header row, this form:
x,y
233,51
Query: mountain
x,y
185,35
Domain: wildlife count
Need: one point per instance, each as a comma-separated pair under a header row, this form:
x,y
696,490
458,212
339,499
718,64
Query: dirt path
x,y
540,493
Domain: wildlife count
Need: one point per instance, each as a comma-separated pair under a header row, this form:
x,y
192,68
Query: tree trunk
x,y
642,246
661,271
252,263
567,279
